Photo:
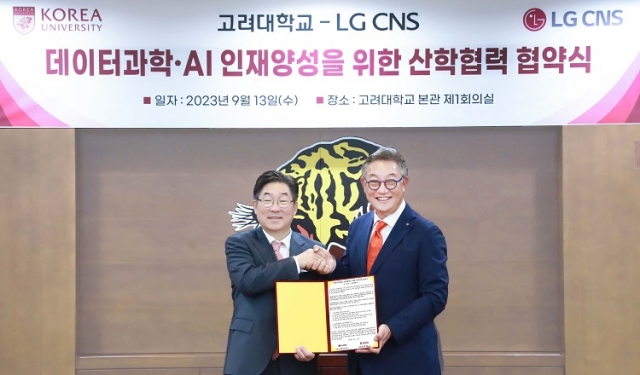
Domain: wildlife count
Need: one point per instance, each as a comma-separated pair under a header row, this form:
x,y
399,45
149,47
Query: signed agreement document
x,y
326,316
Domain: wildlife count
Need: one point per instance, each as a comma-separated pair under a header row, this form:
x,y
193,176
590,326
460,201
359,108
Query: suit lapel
x,y
399,230
360,246
296,244
265,251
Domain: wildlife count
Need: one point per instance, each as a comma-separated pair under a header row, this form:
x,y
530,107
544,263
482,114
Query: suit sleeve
x,y
343,265
433,287
251,276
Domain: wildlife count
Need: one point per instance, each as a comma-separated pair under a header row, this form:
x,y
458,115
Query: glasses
x,y
268,202
390,184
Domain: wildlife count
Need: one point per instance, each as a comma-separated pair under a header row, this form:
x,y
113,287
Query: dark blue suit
x,y
254,269
411,289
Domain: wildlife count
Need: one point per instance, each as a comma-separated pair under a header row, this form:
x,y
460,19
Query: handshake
x,y
317,259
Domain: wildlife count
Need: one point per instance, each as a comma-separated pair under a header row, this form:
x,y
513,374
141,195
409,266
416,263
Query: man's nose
x,y
383,188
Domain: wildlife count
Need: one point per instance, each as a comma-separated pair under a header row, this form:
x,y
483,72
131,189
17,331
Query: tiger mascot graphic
x,y
331,195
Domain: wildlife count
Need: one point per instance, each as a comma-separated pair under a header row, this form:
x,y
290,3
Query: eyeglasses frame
x,y
383,183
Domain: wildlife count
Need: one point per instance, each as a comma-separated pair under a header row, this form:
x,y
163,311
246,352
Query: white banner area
x,y
315,64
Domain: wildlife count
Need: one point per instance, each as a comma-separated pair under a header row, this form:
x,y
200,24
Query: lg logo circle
x,y
534,19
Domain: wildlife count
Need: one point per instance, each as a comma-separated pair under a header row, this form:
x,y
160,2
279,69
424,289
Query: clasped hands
x,y
317,259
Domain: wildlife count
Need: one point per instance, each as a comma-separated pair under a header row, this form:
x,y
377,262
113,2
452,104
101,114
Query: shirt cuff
x,y
297,265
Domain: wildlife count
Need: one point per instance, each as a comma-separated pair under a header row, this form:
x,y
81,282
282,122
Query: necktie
x,y
375,245
276,249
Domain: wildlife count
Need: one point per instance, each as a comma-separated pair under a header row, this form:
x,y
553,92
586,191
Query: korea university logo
x,y
24,19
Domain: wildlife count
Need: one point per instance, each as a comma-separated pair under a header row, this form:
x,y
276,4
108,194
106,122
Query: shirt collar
x,y
393,218
285,241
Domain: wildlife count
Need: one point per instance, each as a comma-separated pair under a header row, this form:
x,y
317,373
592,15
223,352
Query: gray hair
x,y
386,154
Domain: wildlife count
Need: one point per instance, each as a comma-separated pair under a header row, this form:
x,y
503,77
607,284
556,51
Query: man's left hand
x,y
383,335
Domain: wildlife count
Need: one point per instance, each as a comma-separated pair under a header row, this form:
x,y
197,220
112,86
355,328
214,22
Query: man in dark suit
x,y
409,265
256,259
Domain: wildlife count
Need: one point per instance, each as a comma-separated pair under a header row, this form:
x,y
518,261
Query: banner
x,y
315,64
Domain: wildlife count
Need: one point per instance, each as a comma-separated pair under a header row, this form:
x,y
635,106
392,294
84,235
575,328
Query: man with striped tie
x,y
256,259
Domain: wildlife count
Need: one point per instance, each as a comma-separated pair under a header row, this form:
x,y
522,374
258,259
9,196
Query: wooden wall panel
x,y
601,200
37,252
504,371
179,371
153,216
333,364
149,361
495,192
600,205
474,363
211,371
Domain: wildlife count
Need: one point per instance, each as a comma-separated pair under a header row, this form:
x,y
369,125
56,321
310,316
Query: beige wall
x,y
37,252
601,203
541,226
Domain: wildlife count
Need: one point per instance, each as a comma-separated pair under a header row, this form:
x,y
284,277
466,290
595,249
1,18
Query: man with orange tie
x,y
256,259
407,254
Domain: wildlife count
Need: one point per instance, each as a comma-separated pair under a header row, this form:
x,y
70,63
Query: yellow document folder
x,y
303,315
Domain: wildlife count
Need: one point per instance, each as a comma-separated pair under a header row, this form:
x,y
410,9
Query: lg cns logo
x,y
535,18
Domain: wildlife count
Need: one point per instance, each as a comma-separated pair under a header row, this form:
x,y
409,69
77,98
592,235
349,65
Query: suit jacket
x,y
411,290
254,269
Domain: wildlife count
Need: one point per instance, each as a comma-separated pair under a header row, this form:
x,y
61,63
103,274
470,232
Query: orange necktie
x,y
375,245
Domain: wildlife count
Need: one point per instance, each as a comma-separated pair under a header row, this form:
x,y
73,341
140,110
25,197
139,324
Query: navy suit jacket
x,y
411,289
254,269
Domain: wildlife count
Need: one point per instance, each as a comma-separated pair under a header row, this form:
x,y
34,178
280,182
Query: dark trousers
x,y
273,368
286,364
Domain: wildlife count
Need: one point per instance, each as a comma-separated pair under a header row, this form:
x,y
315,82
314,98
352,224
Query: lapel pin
x,y
407,224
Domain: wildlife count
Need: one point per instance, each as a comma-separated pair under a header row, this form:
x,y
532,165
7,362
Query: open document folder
x,y
326,316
